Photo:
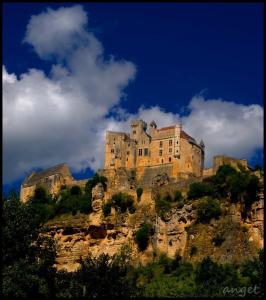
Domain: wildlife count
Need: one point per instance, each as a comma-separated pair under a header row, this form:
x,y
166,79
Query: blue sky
x,y
165,55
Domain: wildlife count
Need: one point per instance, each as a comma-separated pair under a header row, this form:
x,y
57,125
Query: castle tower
x,y
138,127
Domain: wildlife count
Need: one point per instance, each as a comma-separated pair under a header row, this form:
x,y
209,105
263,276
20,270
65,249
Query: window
x,y
170,150
161,144
128,145
162,161
170,143
160,152
127,152
112,150
134,131
177,142
146,151
170,159
140,152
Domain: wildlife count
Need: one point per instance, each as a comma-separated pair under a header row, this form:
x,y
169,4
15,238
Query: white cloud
x,y
56,32
55,118
62,117
226,127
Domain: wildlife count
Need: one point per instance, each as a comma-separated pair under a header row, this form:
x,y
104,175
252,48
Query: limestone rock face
x,y
160,180
175,233
97,197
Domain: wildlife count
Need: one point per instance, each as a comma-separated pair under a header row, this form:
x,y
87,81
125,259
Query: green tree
x,y
106,276
208,208
200,189
28,258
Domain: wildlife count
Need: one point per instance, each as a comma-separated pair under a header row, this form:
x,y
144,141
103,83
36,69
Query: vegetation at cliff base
x,y
28,267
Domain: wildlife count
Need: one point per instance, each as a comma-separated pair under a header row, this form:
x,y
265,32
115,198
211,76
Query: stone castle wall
x,y
144,149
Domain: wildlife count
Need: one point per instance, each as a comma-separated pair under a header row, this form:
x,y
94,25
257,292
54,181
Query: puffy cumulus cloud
x,y
60,117
56,32
226,127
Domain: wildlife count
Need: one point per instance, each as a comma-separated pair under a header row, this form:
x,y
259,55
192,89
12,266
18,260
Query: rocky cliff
x,y
177,232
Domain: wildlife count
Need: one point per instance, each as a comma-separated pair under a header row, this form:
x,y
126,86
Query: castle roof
x,y
185,136
36,177
167,128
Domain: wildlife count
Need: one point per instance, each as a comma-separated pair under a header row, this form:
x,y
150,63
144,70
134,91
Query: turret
x,y
137,128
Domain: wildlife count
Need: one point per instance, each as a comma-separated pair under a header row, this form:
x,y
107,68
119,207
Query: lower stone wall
x,y
145,175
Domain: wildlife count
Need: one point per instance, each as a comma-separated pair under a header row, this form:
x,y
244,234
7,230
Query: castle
x,y
169,148
147,152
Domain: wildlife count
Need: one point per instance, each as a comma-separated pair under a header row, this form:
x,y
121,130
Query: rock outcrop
x,y
177,232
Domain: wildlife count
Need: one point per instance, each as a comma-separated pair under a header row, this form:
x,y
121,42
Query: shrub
x,y
107,209
218,240
200,189
178,196
142,236
41,194
209,208
193,250
122,201
139,192
162,206
75,190
93,181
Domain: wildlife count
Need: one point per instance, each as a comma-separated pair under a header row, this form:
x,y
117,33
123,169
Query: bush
x,y
162,206
200,189
73,203
178,196
107,209
193,250
122,201
41,195
142,236
75,190
139,192
218,240
209,208
93,181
